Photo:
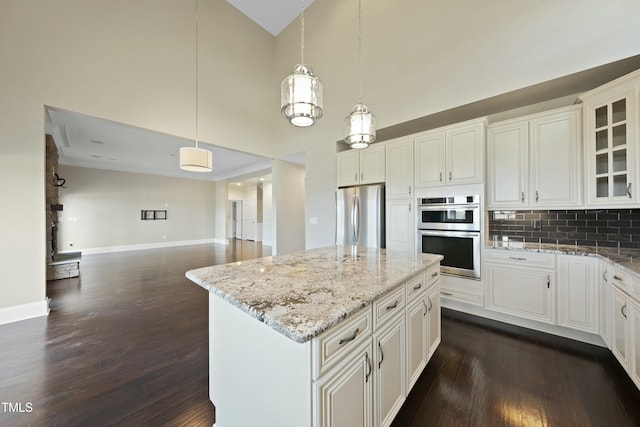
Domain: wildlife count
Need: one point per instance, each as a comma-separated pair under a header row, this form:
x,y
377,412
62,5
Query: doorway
x,y
235,226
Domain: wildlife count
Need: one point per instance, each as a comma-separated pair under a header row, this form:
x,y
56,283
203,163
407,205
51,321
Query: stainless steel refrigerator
x,y
360,216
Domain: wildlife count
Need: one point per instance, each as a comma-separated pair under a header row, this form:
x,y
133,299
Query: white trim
x,y
221,241
123,248
16,313
267,243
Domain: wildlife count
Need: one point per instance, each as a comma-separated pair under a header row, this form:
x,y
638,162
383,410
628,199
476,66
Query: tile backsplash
x,y
602,227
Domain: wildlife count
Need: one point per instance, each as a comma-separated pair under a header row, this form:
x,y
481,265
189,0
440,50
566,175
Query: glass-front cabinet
x,y
611,142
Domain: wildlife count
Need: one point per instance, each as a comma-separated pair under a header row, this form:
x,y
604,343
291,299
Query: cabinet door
x,y
578,293
610,138
348,168
429,159
399,169
400,227
344,396
433,315
372,164
635,344
521,292
390,370
507,164
620,347
606,303
417,335
464,154
555,160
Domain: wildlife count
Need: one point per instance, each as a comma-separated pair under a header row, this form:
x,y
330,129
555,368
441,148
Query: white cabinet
x,y
518,286
450,155
606,298
535,161
416,339
364,166
578,293
611,142
400,225
389,368
621,327
635,342
434,320
345,396
399,169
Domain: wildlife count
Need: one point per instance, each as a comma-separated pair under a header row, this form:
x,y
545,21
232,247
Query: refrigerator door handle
x,y
355,218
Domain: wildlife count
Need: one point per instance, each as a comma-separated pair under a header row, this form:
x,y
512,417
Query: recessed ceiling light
x,y
261,179
238,184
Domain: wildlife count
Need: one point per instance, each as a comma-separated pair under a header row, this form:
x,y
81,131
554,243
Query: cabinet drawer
x,y
387,306
333,345
433,275
621,279
521,258
416,287
461,296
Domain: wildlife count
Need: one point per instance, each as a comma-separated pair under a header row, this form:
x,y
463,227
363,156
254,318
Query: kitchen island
x,y
325,337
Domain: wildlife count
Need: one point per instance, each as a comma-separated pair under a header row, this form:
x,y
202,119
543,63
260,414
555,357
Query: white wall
x,y
222,212
267,214
102,209
288,207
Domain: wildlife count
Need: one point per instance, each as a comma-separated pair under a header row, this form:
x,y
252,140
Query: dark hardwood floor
x,y
126,345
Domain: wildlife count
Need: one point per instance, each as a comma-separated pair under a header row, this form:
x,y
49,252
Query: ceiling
x,y
272,15
96,143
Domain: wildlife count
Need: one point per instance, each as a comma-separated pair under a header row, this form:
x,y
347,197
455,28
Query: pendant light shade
x,y
360,127
301,92
301,97
195,159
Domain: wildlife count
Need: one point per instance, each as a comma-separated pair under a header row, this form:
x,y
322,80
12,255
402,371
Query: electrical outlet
x,y
537,224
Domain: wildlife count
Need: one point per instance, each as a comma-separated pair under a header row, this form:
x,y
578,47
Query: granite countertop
x,y
305,293
626,258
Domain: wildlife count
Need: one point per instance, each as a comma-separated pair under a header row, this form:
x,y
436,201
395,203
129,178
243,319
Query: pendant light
x,y
301,92
360,125
194,159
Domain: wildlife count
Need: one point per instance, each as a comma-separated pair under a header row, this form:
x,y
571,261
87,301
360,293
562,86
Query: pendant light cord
x,y
196,74
360,51
302,32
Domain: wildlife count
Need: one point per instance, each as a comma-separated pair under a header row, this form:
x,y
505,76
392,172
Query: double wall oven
x,y
450,226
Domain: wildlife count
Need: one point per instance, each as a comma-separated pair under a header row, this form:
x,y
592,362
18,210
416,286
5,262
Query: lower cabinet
x,y
621,327
370,370
389,368
522,292
345,395
578,294
635,343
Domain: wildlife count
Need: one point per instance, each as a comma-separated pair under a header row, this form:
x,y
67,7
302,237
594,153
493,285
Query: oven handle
x,y
439,207
448,233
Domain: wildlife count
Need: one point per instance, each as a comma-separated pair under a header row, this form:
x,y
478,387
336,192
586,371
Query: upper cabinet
x,y
534,161
450,155
399,169
611,143
364,166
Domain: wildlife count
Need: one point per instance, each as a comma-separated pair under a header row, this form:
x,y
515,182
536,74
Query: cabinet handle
x,y
446,293
430,304
415,288
355,177
381,355
604,276
366,359
548,281
426,309
440,176
351,338
537,196
449,175
517,258
409,206
361,176
409,190
522,197
615,277
434,274
629,190
622,310
392,306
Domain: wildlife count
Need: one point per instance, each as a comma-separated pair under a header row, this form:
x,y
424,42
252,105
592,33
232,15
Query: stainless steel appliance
x,y
360,216
450,226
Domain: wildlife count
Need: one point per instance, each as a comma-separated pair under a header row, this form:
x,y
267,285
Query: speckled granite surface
x,y
305,293
626,258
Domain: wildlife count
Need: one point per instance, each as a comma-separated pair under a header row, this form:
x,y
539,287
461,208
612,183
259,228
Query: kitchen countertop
x,y
626,258
305,293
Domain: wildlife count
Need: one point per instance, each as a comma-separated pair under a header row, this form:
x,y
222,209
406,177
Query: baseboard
x,y
16,313
123,248
221,241
267,243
